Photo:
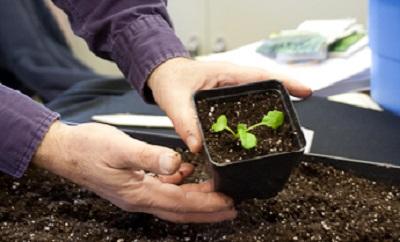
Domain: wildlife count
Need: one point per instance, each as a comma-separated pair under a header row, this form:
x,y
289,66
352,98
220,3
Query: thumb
x,y
181,111
243,74
156,159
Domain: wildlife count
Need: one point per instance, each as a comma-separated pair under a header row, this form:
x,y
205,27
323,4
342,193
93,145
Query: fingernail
x,y
167,163
191,141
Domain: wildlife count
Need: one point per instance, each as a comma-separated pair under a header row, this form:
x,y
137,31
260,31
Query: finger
x,y
182,113
198,187
173,198
196,217
184,171
295,88
243,74
142,156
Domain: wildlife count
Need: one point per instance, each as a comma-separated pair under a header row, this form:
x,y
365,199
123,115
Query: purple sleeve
x,y
23,124
136,34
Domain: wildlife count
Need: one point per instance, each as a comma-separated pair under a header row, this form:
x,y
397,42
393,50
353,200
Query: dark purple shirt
x,y
136,34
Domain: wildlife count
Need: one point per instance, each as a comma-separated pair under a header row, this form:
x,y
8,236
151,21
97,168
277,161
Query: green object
x,y
221,124
343,44
247,140
274,119
241,128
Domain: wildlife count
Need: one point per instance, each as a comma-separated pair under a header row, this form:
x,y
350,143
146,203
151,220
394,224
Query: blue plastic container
x,y
384,35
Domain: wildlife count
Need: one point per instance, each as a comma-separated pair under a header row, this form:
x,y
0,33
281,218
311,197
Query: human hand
x,y
174,82
111,164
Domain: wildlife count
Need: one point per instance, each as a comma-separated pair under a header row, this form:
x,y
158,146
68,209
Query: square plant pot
x,y
262,171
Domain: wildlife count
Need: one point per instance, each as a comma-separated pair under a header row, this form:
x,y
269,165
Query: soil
x,y
318,203
248,109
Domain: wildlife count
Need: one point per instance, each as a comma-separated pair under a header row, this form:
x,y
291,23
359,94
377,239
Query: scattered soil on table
x,y
318,204
248,109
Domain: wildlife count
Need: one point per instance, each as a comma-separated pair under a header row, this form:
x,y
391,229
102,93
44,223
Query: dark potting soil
x,y
248,109
318,204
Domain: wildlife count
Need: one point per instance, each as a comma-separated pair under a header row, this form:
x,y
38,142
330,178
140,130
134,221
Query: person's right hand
x,y
111,164
174,82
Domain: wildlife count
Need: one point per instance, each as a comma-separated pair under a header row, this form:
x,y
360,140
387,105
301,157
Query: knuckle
x,y
222,78
146,157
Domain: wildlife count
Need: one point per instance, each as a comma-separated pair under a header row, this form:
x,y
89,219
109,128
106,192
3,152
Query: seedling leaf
x,y
220,125
241,128
248,140
274,119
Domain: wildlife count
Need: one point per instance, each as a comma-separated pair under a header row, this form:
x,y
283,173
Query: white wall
x,y
190,19
237,21
244,21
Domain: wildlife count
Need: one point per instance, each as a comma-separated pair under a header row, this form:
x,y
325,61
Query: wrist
x,y
166,69
52,152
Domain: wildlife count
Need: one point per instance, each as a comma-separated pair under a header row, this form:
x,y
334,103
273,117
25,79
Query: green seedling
x,y
221,125
247,139
274,119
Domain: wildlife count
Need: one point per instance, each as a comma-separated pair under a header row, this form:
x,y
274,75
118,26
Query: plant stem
x,y
254,126
230,130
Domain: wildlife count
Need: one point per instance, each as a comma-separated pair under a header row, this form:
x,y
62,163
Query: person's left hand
x,y
174,82
113,165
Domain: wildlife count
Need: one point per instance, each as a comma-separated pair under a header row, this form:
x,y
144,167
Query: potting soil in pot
x,y
249,109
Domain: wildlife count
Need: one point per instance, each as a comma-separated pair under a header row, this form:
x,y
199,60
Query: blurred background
x,y
207,26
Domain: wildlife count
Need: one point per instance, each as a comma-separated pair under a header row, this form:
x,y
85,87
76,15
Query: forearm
x,y
136,34
23,124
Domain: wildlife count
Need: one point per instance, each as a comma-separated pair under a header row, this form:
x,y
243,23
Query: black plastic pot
x,y
262,176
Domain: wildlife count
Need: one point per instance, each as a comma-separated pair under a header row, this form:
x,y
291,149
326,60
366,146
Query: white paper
x,y
356,99
134,120
309,136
